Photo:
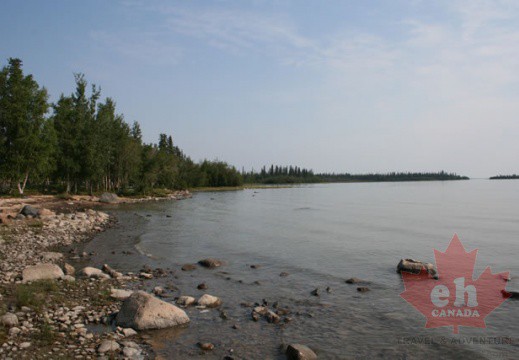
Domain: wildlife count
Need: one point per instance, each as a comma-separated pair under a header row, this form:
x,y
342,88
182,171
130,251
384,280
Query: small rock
x,y
131,353
69,269
25,345
129,332
9,320
315,292
415,267
202,286
355,280
92,272
145,275
284,274
51,256
120,294
206,346
157,290
108,346
209,301
186,300
362,289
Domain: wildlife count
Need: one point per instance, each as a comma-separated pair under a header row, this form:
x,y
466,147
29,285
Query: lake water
x,y
321,235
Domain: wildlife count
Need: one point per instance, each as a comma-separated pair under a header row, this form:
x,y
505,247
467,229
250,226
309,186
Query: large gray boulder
x,y
415,266
142,311
109,198
41,272
29,210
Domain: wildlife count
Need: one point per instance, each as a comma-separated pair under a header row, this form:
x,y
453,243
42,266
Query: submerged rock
x,y
188,267
415,266
142,311
355,280
42,272
210,263
362,289
300,352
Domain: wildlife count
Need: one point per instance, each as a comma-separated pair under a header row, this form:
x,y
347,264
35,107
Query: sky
x,y
336,86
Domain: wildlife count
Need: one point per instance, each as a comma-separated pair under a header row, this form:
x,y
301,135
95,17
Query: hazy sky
x,y
357,86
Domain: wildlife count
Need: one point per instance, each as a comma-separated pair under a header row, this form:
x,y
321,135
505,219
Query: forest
x,y
80,144
504,177
293,174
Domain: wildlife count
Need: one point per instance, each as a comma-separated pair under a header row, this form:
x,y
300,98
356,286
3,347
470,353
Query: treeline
x,y
294,174
504,177
81,144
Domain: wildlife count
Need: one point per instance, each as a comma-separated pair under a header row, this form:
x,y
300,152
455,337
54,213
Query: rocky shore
x,y
48,309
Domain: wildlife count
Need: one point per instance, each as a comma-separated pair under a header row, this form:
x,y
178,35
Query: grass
x,y
46,336
36,294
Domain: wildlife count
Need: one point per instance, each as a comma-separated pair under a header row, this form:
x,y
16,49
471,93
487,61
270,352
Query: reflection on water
x,y
322,235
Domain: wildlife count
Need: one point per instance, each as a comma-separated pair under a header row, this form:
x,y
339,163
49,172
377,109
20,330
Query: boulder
x,y
299,352
414,267
210,263
186,300
142,311
9,320
109,198
29,210
209,301
120,294
41,272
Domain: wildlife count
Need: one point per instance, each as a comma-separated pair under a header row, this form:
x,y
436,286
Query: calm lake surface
x,y
321,235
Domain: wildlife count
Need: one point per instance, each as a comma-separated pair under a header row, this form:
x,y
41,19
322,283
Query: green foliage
x,y
27,138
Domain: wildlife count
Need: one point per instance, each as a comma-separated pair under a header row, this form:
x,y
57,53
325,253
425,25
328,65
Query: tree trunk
x,y
21,186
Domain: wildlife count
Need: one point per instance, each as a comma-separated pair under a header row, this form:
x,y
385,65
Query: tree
x,y
26,140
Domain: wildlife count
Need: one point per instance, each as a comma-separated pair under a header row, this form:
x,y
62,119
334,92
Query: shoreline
x,y
70,315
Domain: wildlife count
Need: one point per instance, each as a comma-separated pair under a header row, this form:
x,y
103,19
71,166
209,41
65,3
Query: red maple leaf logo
x,y
456,299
